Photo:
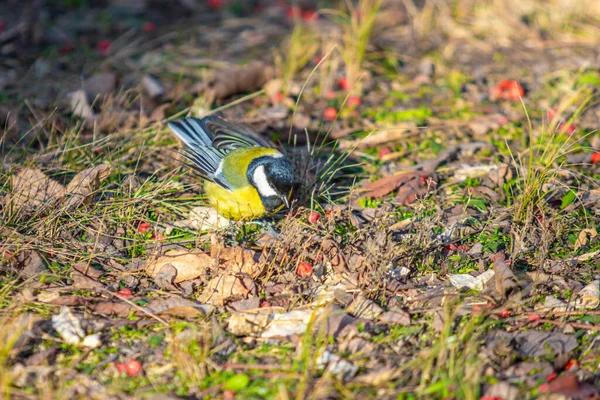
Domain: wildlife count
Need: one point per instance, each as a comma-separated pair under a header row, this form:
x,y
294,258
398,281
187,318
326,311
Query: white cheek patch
x,y
262,184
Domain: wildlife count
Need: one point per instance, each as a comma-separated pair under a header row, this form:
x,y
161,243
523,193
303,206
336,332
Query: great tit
x,y
246,178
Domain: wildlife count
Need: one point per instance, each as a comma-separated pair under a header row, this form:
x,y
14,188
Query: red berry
x,y
551,376
120,368
595,158
572,364
104,46
265,303
533,317
143,227
277,97
354,101
568,129
215,4
149,26
318,59
507,90
309,15
544,387
314,217
125,293
330,114
133,368
343,83
305,269
383,152
505,313
551,113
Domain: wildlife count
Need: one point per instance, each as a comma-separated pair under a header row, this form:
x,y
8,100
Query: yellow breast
x,y
242,203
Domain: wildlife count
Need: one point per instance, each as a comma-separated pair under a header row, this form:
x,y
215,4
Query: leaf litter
x,y
426,258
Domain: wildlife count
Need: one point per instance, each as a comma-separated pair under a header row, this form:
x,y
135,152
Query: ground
x,y
442,242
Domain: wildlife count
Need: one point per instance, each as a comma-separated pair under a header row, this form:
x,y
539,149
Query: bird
x,y
245,176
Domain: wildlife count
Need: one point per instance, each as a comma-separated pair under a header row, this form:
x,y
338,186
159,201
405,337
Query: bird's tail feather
x,y
191,132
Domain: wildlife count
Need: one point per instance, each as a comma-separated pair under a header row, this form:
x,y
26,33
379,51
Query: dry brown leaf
x,y
582,238
179,307
101,84
589,296
32,191
237,259
86,277
29,263
80,106
378,377
84,184
224,288
112,308
153,87
237,80
361,307
390,183
189,265
415,189
506,281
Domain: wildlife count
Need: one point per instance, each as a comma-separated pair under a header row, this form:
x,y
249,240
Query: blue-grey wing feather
x,y
209,139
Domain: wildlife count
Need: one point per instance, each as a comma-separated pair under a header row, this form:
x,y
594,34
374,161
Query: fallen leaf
x,y
531,344
502,391
361,307
478,283
153,87
179,307
390,183
33,191
86,277
236,80
226,287
552,304
395,316
570,387
415,189
249,323
81,188
80,106
582,238
506,281
474,171
337,365
69,328
202,219
29,263
188,264
379,377
589,296
165,277
237,259
100,84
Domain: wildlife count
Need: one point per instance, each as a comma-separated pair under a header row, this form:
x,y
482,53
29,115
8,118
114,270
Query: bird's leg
x,y
267,226
234,242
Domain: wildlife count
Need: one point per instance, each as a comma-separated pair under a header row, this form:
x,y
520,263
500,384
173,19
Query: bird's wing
x,y
207,162
228,136
209,139
191,132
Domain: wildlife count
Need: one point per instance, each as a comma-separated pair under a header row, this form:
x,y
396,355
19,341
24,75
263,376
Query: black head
x,y
273,177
